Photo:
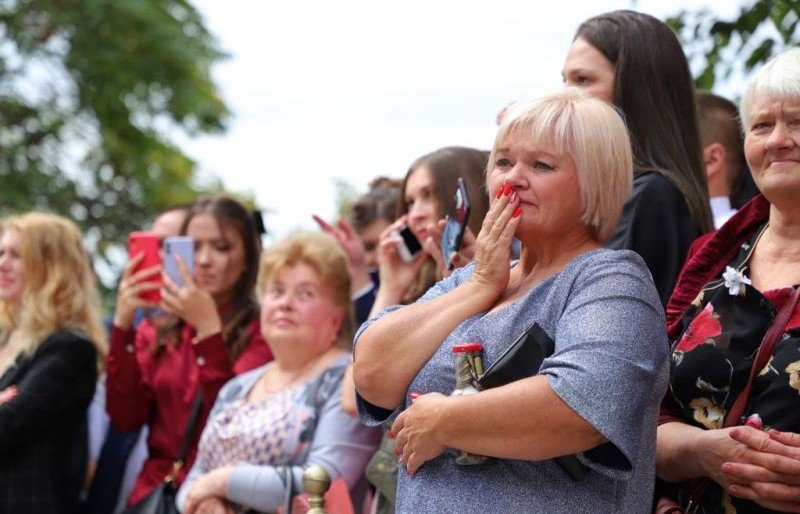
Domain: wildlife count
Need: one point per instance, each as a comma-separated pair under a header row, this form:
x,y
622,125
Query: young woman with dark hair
x,y
155,374
426,197
634,61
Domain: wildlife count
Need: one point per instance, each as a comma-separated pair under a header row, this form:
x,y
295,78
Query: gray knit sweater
x,y
609,365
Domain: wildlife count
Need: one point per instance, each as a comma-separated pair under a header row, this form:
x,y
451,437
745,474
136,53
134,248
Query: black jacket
x,y
656,224
39,426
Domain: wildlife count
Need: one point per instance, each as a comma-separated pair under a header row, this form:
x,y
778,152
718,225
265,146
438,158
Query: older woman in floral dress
x,y
726,299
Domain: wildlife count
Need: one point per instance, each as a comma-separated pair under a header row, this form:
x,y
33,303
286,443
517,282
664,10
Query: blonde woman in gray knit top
x,y
559,173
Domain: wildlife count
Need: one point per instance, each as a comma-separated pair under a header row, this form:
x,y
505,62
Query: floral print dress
x,y
712,357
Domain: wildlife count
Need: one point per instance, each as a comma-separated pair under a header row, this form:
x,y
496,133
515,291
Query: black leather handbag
x,y
162,499
522,360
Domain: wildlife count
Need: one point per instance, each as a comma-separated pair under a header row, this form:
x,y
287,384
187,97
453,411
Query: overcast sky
x,y
354,89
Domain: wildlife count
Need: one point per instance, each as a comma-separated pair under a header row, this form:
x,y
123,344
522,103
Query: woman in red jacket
x,y
155,370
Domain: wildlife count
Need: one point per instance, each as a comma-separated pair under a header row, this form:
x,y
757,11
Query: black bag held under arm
x,y
522,360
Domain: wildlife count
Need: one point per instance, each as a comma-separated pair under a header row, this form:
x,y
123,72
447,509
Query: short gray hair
x,y
778,79
593,133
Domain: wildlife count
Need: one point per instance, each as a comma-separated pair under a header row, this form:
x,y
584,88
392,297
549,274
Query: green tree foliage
x,y
346,196
762,29
89,91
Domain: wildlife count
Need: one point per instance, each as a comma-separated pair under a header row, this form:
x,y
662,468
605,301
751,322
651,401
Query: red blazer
x,y
156,388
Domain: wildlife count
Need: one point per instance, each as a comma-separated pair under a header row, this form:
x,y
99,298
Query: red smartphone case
x,y
150,245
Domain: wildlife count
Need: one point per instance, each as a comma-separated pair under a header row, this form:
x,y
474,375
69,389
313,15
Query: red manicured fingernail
x,y
397,451
507,189
408,472
414,395
499,192
390,434
517,211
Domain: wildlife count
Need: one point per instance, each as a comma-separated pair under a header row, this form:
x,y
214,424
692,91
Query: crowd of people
x,y
617,331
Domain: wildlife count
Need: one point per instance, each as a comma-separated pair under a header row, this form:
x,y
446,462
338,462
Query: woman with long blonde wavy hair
x,y
51,345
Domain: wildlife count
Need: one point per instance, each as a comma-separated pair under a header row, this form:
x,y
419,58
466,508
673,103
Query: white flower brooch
x,y
735,281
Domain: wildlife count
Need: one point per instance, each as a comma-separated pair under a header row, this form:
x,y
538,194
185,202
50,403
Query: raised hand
x,y
396,276
432,246
353,248
190,303
132,285
493,244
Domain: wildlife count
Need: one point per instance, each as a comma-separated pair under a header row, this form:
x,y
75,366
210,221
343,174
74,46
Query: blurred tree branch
x,y
89,91
762,29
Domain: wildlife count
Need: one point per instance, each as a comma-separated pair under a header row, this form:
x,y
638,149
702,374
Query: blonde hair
x,y
592,132
324,255
59,285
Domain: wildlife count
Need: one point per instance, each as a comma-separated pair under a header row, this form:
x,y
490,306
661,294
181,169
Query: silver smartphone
x,y
182,246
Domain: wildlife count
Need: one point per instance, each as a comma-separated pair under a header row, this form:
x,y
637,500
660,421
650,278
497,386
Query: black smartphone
x,y
410,245
456,224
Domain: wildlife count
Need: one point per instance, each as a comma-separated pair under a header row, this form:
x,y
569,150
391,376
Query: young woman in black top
x,y
634,61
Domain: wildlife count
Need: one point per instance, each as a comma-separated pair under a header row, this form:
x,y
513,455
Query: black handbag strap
x,y
194,414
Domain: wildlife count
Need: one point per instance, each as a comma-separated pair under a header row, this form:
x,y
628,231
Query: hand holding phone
x,y
456,224
410,246
149,245
178,246
181,296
